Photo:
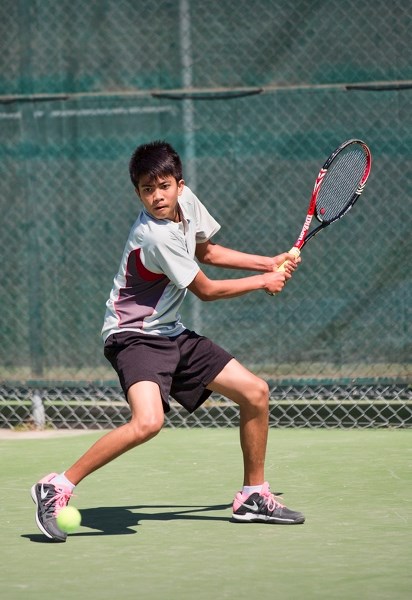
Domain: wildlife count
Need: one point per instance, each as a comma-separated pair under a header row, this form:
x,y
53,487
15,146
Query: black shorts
x,y
182,366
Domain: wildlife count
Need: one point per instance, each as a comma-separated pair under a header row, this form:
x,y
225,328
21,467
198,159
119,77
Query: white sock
x,y
62,480
251,489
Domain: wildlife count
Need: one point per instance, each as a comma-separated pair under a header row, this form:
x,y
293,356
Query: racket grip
x,y
295,251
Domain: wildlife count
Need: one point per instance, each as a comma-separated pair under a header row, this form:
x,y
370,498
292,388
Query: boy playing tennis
x,y
153,353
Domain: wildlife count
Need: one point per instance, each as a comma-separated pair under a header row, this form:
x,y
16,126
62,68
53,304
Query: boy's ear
x,y
137,192
180,186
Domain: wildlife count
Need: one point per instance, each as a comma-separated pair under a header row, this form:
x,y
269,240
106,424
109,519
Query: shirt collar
x,y
185,219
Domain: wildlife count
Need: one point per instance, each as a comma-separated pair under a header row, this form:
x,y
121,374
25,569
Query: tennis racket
x,y
339,184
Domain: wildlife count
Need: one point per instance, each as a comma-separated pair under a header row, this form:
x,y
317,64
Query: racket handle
x,y
295,251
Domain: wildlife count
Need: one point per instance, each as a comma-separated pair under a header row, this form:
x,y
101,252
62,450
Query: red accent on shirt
x,y
143,272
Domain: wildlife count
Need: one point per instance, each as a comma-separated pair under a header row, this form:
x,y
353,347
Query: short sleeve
x,y
172,260
206,225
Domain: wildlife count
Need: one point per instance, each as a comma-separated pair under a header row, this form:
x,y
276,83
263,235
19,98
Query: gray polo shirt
x,y
158,264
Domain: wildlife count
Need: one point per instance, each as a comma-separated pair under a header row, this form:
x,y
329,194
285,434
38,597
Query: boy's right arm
x,y
218,289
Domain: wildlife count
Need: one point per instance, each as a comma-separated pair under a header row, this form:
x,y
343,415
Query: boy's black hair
x,y
155,159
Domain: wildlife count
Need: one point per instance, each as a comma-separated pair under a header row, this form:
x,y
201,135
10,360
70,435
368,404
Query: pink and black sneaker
x,y
263,507
50,499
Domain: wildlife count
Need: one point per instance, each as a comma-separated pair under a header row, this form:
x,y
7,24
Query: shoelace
x,y
60,499
272,501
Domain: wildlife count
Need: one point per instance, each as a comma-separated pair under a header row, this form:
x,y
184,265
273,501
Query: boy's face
x,y
160,196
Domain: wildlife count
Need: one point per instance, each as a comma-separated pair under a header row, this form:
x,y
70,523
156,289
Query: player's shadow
x,y
121,520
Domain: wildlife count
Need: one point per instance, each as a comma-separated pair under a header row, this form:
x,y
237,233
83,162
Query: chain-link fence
x,y
254,96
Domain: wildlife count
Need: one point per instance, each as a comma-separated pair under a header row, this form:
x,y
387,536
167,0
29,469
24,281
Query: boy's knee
x,y
260,394
264,391
153,426
146,429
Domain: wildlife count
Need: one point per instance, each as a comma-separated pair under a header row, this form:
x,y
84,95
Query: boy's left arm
x,y
214,254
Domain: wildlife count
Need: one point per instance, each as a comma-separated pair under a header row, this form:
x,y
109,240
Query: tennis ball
x,y
69,519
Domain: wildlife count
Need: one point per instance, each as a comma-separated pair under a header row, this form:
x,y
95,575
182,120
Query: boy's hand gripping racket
x,y
339,184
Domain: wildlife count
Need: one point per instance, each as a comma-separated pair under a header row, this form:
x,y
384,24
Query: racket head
x,y
345,174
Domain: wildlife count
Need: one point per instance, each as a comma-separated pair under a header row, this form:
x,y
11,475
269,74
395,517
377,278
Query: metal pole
x,y
189,124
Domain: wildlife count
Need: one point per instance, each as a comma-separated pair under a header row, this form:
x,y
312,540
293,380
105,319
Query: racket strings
x,y
340,184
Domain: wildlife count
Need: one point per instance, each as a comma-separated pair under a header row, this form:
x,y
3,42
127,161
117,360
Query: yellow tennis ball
x,y
69,519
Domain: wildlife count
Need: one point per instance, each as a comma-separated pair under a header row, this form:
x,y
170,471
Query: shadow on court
x,y
119,520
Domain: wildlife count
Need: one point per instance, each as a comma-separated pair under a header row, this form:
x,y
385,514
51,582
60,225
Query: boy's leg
x,y
50,495
252,395
146,421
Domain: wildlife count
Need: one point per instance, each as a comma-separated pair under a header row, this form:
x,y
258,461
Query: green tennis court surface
x,y
156,521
